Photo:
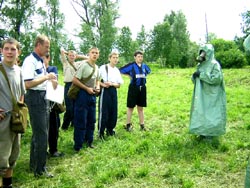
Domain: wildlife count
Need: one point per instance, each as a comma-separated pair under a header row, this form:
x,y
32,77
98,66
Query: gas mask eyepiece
x,y
201,57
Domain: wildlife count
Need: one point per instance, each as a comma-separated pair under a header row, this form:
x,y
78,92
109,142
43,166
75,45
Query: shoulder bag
x,y
19,113
74,90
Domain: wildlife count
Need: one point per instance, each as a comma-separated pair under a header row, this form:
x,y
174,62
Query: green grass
x,y
166,156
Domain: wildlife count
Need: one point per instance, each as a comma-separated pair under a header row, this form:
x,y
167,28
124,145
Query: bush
x,y
232,58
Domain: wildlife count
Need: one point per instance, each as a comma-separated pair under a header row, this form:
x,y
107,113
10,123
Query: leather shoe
x,y
90,145
44,174
57,154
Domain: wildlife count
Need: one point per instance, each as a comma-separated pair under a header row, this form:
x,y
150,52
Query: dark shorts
x,y
137,95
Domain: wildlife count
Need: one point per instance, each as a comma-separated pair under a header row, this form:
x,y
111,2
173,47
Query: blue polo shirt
x,y
137,74
33,68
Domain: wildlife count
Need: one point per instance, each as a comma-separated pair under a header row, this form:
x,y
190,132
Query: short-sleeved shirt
x,y
112,74
68,70
33,68
137,73
16,83
84,71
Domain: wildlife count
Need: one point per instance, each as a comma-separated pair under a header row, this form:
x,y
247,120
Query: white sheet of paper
x,y
55,95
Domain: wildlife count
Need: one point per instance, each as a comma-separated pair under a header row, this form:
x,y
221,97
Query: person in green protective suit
x,y
208,108
246,45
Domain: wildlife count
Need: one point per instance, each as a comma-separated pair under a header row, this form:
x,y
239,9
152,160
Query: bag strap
x,y
73,66
106,68
89,77
7,79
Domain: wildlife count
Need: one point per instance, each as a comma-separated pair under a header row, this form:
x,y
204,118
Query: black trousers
x,y
108,107
69,103
54,124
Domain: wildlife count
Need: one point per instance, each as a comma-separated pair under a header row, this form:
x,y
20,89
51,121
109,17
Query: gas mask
x,y
201,57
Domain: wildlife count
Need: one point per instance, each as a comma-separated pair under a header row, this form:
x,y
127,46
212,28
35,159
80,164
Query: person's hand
x,y
108,84
2,114
97,91
196,74
90,90
54,83
51,76
63,51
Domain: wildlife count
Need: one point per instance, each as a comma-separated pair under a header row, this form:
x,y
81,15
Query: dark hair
x,y
138,52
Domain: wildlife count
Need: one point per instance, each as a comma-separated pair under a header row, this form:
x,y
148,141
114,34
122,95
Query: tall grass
x,y
166,155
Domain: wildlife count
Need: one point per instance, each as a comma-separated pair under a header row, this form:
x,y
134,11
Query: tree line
x,y
168,43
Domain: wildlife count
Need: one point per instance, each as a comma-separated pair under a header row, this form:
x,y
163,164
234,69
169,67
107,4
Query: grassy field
x,y
167,156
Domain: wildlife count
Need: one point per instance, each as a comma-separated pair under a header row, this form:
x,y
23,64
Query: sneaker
x,y
57,154
129,127
143,128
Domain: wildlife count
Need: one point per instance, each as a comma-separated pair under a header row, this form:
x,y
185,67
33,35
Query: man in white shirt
x,y
108,102
35,78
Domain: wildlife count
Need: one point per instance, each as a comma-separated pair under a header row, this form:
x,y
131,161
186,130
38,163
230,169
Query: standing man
x,y
137,93
69,69
9,141
35,78
86,78
108,107
54,118
208,109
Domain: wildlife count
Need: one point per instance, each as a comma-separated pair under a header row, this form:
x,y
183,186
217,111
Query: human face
x,y
138,58
114,59
93,55
71,57
44,48
10,53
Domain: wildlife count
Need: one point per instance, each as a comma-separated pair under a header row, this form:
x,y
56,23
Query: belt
x,y
36,91
140,86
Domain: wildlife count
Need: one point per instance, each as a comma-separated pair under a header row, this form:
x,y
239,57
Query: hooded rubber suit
x,y
208,109
246,45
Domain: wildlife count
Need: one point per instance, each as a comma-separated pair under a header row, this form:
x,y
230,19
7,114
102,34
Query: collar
x,y
37,57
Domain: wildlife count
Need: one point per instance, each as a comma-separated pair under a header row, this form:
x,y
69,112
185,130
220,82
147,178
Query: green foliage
x,y
98,18
232,58
168,43
15,15
52,27
106,39
161,40
124,44
16,23
27,44
246,22
170,40
143,39
228,54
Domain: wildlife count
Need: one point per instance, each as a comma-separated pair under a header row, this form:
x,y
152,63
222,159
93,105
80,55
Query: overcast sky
x,y
223,16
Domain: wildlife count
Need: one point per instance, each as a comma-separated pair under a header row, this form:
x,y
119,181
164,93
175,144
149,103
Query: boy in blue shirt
x,y
137,93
